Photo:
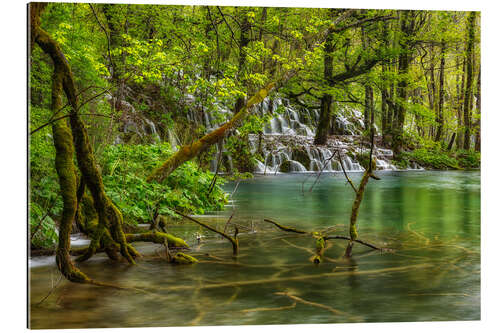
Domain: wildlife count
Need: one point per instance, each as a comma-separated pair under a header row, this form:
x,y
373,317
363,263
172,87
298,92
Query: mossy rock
x,y
301,156
363,159
285,166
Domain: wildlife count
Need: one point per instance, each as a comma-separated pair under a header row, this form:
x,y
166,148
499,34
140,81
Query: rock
x,y
285,166
300,155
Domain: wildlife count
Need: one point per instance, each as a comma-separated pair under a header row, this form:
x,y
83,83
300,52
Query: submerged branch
x,y
233,240
284,228
317,305
298,278
356,240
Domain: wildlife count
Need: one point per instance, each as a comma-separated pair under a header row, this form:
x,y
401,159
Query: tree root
x,y
157,238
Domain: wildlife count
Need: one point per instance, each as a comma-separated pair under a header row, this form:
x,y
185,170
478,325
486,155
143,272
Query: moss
x,y
353,232
158,238
161,221
285,166
363,159
184,259
301,156
66,172
320,244
109,217
186,153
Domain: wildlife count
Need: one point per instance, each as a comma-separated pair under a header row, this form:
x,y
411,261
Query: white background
x,y
13,164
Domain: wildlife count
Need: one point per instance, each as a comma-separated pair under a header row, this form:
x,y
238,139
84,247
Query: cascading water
x,y
286,144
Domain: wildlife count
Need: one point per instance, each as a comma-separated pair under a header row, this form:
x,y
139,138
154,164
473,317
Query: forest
x,y
145,118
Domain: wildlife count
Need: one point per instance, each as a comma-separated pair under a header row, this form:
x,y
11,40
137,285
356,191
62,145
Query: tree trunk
x,y
326,99
460,98
116,68
368,106
477,145
244,40
110,219
432,89
471,21
402,89
368,89
188,152
439,119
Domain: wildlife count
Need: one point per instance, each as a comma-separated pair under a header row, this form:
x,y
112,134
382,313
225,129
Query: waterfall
x,y
287,140
151,129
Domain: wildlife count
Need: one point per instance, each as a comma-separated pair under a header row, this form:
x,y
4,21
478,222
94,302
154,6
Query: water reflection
x,y
431,219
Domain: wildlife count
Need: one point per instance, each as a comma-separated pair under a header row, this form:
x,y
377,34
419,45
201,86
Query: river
x,y
429,219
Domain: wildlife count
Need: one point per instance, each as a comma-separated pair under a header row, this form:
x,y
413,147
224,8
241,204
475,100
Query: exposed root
x,y
158,238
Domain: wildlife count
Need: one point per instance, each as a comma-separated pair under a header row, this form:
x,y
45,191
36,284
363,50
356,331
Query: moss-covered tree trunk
x,y
432,87
65,169
110,220
189,152
115,41
326,100
407,28
442,88
63,143
477,144
384,92
471,22
243,43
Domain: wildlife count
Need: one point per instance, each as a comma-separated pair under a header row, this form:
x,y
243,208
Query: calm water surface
x,y
431,221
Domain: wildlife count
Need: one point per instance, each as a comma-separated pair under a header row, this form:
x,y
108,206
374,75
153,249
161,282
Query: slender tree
x,y
442,91
471,22
326,99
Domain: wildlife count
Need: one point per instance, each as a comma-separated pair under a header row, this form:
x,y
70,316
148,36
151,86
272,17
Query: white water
x,y
289,135
292,128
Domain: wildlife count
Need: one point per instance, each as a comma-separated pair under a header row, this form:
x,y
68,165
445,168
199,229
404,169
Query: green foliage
x,y
125,168
363,159
434,159
468,159
437,158
42,228
239,148
44,188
